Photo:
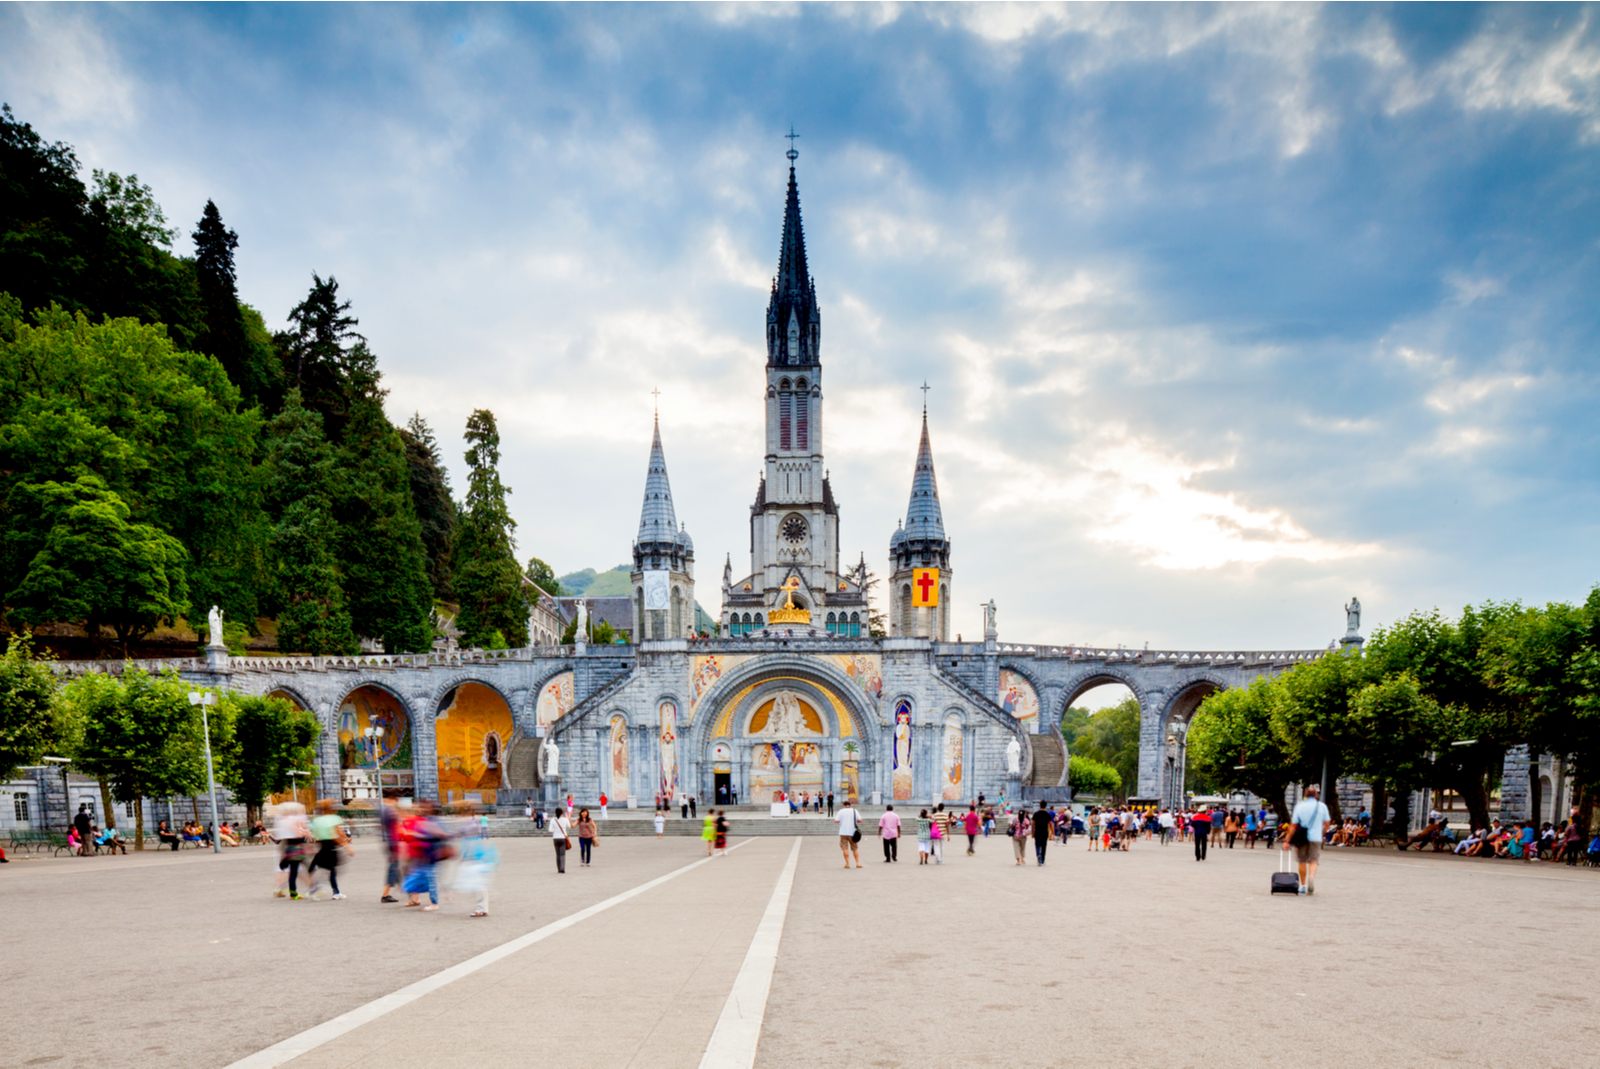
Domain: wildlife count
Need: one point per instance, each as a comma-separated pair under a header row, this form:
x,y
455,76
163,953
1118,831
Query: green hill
x,y
616,584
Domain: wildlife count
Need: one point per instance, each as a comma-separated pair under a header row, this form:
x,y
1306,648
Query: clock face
x,y
794,530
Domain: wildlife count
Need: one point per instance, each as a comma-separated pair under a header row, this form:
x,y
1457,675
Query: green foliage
x,y
161,428
488,581
29,724
270,737
1074,722
379,541
95,566
252,367
543,576
1112,739
589,583
306,586
430,496
1234,728
1088,776
325,359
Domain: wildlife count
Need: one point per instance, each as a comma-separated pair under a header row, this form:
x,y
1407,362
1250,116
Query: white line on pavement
x,y
733,1043
312,1038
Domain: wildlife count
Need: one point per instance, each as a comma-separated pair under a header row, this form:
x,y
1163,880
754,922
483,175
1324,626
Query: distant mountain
x,y
592,584
616,584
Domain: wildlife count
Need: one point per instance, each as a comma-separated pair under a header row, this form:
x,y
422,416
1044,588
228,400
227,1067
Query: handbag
x,y
1299,837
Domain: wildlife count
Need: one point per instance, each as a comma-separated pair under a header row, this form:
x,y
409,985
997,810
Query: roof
x,y
924,518
658,521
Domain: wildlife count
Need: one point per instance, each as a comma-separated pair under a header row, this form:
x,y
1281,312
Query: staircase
x,y
1049,762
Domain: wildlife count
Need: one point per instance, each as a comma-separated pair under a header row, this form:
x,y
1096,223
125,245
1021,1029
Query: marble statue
x,y
214,622
583,620
988,618
1352,615
1014,757
787,719
552,759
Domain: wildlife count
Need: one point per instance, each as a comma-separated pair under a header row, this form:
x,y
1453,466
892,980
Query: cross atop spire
x,y
793,325
925,388
658,521
924,518
793,153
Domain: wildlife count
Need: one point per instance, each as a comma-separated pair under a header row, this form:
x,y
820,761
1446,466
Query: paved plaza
x,y
1144,958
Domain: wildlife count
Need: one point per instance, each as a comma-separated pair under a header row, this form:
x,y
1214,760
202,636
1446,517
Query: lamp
x,y
204,698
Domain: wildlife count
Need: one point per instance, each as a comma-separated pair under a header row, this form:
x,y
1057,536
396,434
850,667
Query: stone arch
x,y
410,761
279,690
751,676
472,746
1083,682
1172,758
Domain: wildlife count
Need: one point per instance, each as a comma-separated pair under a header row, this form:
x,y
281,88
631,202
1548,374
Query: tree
x,y
1092,777
144,737
271,736
1074,722
1232,743
1112,739
161,427
29,724
224,334
306,592
543,576
379,545
432,500
488,580
95,566
325,359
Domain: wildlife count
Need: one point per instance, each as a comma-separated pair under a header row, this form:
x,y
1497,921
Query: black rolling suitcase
x,y
1285,882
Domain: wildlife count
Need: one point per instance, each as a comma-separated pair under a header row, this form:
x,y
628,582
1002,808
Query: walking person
x,y
661,823
1230,828
389,828
327,827
849,821
924,837
1041,831
1200,825
479,859
683,805
290,830
1021,827
561,835
691,805
588,833
830,804
1307,824
1251,827
1094,828
969,824
888,830
939,833
427,845
708,833
721,827
603,800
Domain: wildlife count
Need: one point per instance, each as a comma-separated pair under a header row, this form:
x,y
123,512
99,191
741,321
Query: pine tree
x,y
325,359
431,497
380,541
306,584
489,583
250,367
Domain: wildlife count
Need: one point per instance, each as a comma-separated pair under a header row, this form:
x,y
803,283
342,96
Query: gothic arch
x,y
451,682
820,674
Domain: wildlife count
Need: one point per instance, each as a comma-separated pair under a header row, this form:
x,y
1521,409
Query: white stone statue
x,y
786,720
1014,757
988,618
214,622
552,759
582,634
1352,615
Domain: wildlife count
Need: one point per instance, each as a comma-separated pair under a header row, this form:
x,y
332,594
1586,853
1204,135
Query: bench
x,y
26,840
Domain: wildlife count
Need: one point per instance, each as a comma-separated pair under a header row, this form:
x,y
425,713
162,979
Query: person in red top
x,y
970,824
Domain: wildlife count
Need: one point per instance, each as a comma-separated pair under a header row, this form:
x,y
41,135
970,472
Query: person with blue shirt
x,y
1312,817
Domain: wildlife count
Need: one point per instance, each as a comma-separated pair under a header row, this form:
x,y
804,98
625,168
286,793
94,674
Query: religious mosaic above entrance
x,y
472,732
555,699
1018,697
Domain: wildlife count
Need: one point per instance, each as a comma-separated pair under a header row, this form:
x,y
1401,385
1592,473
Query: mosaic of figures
x,y
902,782
373,707
619,761
555,699
669,749
472,732
1018,697
950,786
704,673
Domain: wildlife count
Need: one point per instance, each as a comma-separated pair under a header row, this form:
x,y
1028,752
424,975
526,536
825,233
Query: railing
x,y
296,663
1173,657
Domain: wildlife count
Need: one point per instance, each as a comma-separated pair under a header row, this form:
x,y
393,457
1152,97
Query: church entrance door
x,y
721,787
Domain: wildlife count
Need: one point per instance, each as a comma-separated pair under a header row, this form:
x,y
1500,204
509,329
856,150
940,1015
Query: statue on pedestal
x,y
552,759
1352,615
988,620
214,623
1014,757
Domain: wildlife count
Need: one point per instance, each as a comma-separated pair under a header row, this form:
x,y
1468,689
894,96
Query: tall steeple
x,y
924,519
794,327
658,522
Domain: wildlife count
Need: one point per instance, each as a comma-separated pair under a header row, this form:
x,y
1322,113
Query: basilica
x,y
795,694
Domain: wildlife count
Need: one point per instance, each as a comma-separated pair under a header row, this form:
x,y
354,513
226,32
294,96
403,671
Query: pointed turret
x,y
794,327
924,520
657,520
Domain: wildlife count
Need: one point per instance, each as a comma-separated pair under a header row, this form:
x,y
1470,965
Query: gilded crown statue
x,y
789,614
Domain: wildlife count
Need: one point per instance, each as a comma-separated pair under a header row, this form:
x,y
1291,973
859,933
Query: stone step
x,y
1047,760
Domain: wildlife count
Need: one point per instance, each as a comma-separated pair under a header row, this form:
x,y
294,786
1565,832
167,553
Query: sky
x,y
1228,313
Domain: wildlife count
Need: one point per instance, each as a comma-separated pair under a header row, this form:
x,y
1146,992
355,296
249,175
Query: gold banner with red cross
x,y
925,588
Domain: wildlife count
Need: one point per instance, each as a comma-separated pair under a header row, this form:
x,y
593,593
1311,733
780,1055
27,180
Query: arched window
x,y
759,622
677,615
802,421
832,623
855,625
785,402
905,609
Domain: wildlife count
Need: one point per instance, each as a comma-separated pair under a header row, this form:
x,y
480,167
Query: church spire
x,y
658,522
924,519
794,332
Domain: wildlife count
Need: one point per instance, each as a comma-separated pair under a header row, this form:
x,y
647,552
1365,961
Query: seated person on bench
x,y
165,835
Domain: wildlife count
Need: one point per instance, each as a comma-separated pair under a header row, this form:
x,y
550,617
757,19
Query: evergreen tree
x,y
325,359
250,367
306,590
431,497
543,576
488,579
380,546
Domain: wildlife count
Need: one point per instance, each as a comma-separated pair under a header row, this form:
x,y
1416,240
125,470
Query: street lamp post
x,y
293,791
374,736
203,699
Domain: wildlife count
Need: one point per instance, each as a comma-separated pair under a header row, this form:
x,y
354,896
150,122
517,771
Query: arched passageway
x,y
472,732
375,739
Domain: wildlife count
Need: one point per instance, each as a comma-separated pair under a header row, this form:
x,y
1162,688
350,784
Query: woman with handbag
x,y
561,835
588,834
